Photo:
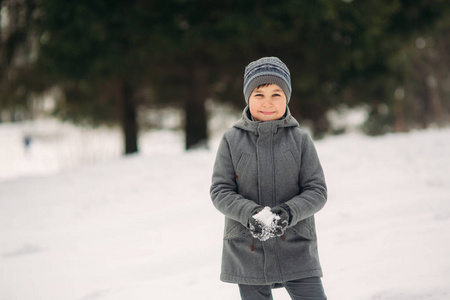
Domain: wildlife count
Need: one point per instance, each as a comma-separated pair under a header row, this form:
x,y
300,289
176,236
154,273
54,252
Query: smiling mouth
x,y
267,112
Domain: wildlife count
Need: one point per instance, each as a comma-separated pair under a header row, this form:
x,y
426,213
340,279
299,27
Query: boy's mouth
x,y
267,112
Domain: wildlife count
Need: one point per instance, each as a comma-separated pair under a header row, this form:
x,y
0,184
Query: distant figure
x,y
268,182
27,139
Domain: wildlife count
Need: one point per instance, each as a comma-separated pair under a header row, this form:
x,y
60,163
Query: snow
x,y
266,217
77,221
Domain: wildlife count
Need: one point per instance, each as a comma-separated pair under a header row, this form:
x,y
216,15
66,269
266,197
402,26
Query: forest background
x,y
112,62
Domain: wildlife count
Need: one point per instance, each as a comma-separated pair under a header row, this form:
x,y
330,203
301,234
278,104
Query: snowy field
x,y
78,222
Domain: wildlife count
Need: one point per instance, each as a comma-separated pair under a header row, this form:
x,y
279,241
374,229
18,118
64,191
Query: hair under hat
x,y
267,70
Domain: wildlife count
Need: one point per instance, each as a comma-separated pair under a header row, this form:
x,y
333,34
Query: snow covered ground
x,y
79,222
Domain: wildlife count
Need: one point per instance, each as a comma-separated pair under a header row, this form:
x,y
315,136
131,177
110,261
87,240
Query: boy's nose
x,y
267,102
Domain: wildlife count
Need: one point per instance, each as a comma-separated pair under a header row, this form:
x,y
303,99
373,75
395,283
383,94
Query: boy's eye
x,y
276,95
258,95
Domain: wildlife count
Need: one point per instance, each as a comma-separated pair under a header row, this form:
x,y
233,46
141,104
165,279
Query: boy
x,y
267,160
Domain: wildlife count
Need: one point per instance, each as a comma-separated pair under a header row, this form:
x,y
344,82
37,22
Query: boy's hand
x,y
255,226
254,212
283,212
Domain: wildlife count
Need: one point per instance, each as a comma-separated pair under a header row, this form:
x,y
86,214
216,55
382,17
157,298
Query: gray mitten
x,y
282,223
255,226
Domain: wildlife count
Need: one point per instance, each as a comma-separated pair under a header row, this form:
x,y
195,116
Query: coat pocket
x,y
234,229
304,230
288,170
241,165
291,162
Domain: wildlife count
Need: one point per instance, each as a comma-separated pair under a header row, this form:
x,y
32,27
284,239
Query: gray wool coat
x,y
268,163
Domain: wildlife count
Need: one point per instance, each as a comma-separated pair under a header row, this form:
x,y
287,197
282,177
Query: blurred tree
x,y
339,52
98,51
17,54
95,47
197,40
424,97
105,53
390,95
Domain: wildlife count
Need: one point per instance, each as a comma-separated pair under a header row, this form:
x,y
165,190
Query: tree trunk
x,y
196,121
399,117
435,99
129,119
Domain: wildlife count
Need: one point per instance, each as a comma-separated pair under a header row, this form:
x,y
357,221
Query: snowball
x,y
269,225
266,217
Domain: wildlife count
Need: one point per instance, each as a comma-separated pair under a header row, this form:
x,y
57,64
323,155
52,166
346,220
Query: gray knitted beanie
x,y
267,70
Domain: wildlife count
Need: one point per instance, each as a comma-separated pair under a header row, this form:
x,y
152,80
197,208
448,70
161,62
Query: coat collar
x,y
247,123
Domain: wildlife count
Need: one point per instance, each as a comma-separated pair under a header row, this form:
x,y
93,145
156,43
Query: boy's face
x,y
267,103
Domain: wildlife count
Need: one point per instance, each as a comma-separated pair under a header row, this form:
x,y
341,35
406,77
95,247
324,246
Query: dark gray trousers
x,y
301,289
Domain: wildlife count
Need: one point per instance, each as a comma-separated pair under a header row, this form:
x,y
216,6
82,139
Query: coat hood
x,y
246,122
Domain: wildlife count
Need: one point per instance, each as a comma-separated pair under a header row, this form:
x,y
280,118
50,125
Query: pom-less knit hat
x,y
267,70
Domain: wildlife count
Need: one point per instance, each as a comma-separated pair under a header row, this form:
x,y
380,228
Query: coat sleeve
x,y
313,189
224,188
